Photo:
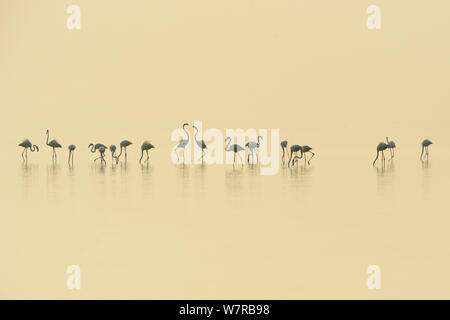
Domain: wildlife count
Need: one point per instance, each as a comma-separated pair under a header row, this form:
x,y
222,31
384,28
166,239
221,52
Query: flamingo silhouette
x,y
304,150
26,144
380,148
101,149
145,147
71,148
391,146
113,149
252,146
295,148
235,148
53,144
284,145
425,144
200,143
183,143
123,146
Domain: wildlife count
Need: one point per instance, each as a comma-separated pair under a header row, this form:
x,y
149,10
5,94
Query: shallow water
x,y
190,231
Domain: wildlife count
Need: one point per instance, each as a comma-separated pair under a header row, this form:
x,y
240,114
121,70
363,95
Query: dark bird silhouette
x,y
295,148
200,143
101,149
234,148
113,149
391,146
26,144
284,145
251,145
53,144
303,150
145,147
425,144
380,148
71,148
123,146
183,143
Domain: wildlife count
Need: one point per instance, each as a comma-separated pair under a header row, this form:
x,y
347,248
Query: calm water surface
x,y
191,231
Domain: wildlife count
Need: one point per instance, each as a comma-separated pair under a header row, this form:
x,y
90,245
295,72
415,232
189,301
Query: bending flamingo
x,y
425,144
71,148
26,144
380,148
145,147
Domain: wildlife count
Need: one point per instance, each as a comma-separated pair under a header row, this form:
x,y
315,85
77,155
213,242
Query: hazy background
x,y
138,69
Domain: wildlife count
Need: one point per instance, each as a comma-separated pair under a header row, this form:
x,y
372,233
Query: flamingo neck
x,y
187,133
227,148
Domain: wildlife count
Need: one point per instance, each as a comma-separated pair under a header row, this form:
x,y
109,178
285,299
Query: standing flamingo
x,y
101,149
71,148
26,144
54,144
391,146
145,147
235,148
183,143
294,149
123,145
252,146
284,145
380,147
200,143
425,144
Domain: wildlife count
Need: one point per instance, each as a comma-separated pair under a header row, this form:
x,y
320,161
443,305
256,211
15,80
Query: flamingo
x,y
391,146
183,143
113,149
145,147
54,144
123,145
26,144
304,150
251,146
200,143
425,144
380,147
71,148
284,145
235,148
294,149
101,149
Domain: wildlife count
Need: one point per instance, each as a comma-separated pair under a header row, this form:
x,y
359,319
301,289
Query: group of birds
x,y
101,148
295,149
253,147
381,147
236,148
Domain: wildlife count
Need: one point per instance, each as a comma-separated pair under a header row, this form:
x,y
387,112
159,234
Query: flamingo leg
x,y
242,161
146,151
378,152
234,159
282,157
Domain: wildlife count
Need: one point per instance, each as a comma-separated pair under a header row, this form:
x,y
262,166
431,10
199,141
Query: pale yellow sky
x,y
309,66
